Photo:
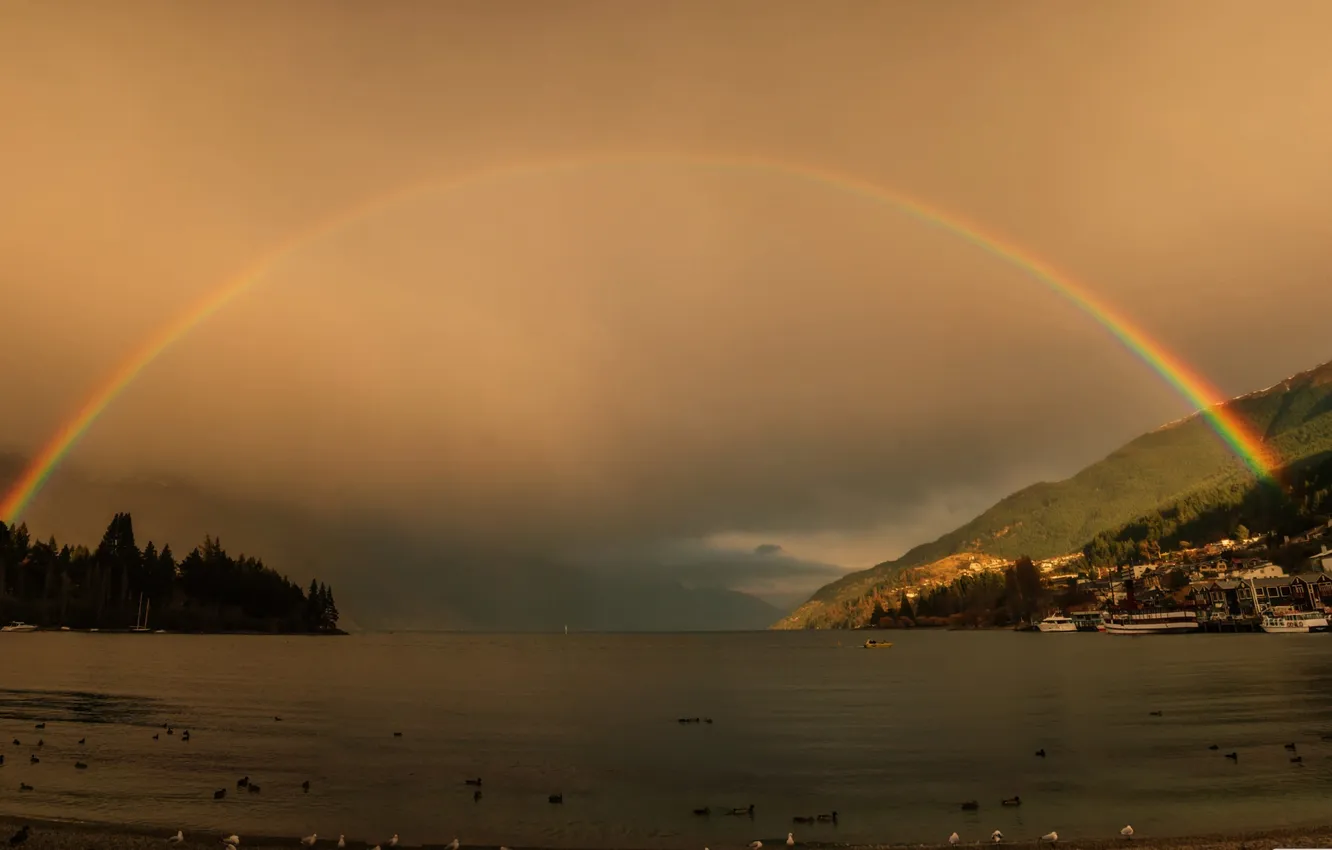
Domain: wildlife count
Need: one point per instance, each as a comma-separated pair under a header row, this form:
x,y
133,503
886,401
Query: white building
x,y
1261,571
1322,561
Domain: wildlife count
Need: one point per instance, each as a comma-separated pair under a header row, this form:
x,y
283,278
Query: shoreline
x,y
79,835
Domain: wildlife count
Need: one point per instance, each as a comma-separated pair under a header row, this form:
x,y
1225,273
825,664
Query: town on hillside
x,y
1249,584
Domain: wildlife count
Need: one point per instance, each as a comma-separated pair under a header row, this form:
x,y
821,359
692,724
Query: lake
x,y
893,740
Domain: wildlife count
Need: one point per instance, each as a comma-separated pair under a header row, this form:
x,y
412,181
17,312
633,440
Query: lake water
x,y
805,723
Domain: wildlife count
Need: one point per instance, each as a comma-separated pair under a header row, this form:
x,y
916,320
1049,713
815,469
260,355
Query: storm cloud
x,y
657,357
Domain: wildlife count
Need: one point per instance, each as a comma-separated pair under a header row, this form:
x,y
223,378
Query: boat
x,y
141,618
1151,622
1293,622
878,644
1088,621
16,626
1056,623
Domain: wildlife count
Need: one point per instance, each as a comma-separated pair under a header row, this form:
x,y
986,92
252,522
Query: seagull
x,y
393,842
1050,836
756,845
790,839
452,845
996,836
232,840
309,840
342,842
953,839
1127,832
178,837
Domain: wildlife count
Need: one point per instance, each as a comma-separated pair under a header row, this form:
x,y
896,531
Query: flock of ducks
x,y
233,842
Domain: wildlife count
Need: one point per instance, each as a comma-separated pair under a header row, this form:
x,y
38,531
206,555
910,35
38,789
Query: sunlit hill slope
x,y
1053,518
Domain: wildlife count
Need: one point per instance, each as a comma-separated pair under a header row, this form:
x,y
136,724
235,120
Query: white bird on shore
x,y
996,836
756,845
790,839
178,837
1127,832
953,839
309,840
342,842
393,842
232,840
1050,836
453,845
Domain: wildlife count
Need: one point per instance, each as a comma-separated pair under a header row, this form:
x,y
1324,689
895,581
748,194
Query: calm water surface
x,y
892,739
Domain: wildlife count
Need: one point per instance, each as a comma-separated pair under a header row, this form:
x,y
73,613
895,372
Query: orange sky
x,y
662,353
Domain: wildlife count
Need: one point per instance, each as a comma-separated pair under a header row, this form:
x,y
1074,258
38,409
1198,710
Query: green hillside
x,y
1161,467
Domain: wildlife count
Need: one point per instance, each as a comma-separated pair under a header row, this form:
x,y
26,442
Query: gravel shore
x,y
47,835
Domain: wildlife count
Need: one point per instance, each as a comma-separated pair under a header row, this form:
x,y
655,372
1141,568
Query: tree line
x,y
48,584
1300,498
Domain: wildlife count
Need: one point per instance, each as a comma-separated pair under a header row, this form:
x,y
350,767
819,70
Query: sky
x,y
668,356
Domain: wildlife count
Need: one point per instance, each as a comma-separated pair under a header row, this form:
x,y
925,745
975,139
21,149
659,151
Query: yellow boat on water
x,y
878,644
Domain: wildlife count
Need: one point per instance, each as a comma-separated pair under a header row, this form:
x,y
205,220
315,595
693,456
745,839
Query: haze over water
x,y
893,740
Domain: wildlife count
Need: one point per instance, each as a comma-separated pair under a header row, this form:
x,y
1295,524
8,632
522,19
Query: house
x,y
1302,593
1265,569
1318,589
1222,598
1322,561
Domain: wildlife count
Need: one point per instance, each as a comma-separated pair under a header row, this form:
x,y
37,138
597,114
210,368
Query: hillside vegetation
x,y
1182,461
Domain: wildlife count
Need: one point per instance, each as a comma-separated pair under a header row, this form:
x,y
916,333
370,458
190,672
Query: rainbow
x,y
1187,382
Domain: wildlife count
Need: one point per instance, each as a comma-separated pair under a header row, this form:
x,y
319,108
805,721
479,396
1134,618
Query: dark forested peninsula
x,y
53,585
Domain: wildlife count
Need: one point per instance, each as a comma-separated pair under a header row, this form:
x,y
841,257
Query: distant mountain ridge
x,y
1293,417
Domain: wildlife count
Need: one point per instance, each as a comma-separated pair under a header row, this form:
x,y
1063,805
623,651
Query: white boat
x,y
16,626
141,618
1151,622
1088,621
1294,622
1056,623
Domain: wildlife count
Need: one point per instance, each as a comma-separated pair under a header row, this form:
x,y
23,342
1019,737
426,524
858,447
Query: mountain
x,y
389,578
1177,461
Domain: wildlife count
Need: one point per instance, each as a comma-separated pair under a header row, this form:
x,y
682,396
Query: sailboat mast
x,y
138,615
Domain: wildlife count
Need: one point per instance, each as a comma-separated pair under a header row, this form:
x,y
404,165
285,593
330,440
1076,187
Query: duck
x,y
1012,801
219,794
23,786
1041,752
703,812
78,765
831,817
970,806
1233,756
243,781
305,786
803,819
253,788
476,782
555,799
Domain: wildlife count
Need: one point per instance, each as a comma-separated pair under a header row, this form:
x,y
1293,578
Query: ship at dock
x,y
1132,619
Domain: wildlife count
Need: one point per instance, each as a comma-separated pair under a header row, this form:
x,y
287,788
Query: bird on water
x,y
1127,832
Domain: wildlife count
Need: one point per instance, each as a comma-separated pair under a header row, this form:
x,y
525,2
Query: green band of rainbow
x,y
1187,382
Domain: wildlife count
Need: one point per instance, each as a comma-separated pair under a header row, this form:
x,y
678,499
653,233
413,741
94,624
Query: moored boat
x,y
1293,622
1088,621
878,644
16,626
1151,622
1056,623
